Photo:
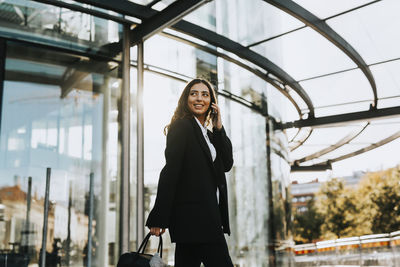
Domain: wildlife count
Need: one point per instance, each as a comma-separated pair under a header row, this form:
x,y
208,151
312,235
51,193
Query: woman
x,y
192,200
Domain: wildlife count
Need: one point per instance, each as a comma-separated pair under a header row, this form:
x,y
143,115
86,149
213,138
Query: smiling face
x,y
199,101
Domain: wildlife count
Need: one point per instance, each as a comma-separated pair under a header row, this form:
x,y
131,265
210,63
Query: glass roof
x,y
325,9
387,78
304,54
373,30
337,58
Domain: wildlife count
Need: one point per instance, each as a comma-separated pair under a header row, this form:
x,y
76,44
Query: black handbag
x,y
139,258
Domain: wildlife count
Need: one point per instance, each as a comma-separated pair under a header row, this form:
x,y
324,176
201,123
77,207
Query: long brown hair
x,y
183,111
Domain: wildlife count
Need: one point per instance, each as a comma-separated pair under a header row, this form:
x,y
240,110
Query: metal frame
x,y
325,30
247,54
3,51
140,146
312,168
165,18
345,140
257,72
154,22
368,148
328,164
302,27
302,141
144,13
342,118
125,145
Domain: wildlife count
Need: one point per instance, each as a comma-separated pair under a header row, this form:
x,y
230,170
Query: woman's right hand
x,y
157,231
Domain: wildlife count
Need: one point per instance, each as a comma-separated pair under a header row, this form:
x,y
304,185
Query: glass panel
x,y
377,159
390,102
342,109
324,9
347,87
33,21
249,22
177,57
248,187
58,111
343,151
304,54
372,31
161,96
204,16
391,121
374,133
387,78
280,106
322,138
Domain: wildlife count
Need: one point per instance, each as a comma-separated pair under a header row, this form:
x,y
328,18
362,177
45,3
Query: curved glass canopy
x,y
336,64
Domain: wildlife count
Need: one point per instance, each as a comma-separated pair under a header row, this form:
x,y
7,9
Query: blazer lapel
x,y
201,140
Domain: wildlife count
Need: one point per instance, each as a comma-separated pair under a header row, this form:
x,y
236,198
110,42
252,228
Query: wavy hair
x,y
182,110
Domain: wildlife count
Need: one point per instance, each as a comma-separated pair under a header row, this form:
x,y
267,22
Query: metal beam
x,y
302,27
247,54
325,30
168,16
257,72
124,120
144,13
302,141
339,119
312,168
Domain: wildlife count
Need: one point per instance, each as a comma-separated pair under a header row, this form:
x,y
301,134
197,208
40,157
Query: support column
x,y
271,227
140,147
125,144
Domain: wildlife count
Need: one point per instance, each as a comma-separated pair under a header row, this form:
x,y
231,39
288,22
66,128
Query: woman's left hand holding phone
x,y
157,231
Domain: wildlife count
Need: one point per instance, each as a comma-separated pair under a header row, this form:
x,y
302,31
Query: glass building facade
x,y
63,81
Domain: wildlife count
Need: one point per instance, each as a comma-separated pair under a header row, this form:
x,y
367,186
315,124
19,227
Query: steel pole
x,y
45,218
140,146
90,227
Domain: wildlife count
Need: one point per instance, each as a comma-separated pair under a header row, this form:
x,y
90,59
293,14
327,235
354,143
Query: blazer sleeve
x,y
169,176
224,148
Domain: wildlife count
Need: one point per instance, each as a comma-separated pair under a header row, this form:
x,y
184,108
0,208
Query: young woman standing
x,y
192,200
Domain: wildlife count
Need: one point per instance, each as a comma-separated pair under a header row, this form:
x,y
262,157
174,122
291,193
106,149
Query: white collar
x,y
203,128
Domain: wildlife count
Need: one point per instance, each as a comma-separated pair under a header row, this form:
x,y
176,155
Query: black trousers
x,y
210,254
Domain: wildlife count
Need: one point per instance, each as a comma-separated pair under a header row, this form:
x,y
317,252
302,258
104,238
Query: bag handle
x,y
143,246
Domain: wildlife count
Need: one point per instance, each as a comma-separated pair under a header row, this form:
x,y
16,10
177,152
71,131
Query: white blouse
x,y
210,145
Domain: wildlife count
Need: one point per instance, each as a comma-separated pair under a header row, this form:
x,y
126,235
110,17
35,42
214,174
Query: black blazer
x,y
186,201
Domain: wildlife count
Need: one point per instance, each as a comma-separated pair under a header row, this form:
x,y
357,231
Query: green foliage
x,y
339,211
307,225
380,195
337,206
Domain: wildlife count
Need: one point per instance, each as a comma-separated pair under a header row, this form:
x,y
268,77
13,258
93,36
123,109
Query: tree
x,y
337,205
307,225
380,205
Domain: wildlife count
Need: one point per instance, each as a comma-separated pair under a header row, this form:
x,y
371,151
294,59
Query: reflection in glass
x,y
63,27
58,111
